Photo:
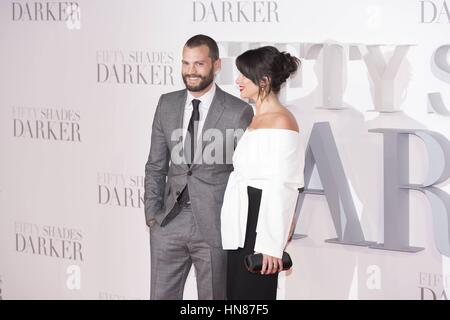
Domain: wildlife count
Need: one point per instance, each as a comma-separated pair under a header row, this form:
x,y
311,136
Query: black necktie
x,y
190,142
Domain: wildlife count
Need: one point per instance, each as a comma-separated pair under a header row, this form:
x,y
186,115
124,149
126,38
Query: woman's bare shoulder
x,y
283,120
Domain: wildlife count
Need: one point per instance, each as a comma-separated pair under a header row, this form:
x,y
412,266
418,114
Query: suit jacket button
x,y
189,173
178,193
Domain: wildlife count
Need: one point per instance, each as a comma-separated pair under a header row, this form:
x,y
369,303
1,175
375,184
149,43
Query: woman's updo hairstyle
x,y
267,67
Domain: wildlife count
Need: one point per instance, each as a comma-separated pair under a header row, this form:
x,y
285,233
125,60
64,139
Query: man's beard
x,y
205,81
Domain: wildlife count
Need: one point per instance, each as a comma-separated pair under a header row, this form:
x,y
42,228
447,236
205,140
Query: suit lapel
x,y
180,112
176,117
214,113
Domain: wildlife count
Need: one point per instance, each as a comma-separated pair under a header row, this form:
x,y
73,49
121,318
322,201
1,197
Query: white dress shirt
x,y
205,102
271,160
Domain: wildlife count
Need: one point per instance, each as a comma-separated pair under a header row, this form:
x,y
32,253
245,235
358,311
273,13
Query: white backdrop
x,y
79,86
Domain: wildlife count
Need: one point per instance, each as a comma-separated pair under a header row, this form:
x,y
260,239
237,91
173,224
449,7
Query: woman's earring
x,y
263,92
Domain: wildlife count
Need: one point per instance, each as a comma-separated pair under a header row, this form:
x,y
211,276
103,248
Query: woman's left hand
x,y
271,265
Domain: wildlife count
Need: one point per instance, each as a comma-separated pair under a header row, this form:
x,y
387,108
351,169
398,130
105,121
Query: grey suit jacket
x,y
165,179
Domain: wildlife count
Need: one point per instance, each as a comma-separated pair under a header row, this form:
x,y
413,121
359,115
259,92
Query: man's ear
x,y
217,66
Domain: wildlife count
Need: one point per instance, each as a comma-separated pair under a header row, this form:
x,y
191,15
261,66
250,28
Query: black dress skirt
x,y
242,284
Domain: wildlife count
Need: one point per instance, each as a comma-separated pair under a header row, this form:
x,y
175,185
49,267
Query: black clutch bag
x,y
253,262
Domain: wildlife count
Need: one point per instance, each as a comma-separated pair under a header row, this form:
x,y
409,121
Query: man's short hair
x,y
199,40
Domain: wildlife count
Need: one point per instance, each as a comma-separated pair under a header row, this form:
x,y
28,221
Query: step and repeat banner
x,y
79,85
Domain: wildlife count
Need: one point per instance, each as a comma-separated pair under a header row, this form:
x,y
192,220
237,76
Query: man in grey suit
x,y
194,134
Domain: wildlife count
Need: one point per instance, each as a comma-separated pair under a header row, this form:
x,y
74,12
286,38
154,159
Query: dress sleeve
x,y
283,175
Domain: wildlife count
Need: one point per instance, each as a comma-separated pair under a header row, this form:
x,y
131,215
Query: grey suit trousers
x,y
174,248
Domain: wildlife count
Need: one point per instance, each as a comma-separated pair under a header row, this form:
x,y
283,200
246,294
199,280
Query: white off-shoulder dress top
x,y
271,160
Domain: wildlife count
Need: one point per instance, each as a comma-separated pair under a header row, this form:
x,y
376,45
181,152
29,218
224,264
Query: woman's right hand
x,y
271,265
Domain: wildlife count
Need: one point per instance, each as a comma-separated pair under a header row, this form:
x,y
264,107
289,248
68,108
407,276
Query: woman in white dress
x,y
261,194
